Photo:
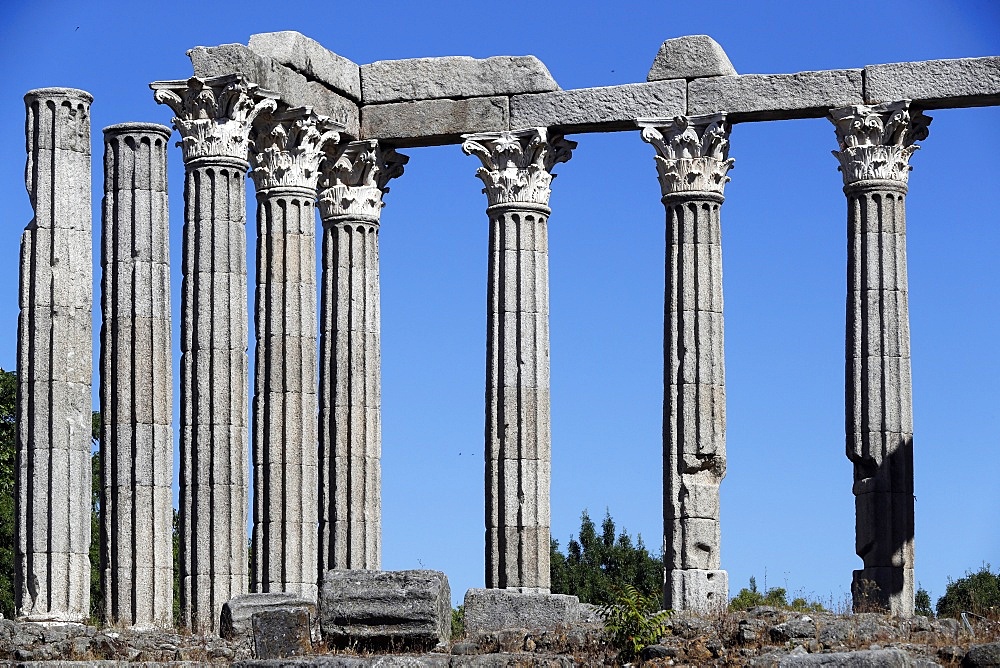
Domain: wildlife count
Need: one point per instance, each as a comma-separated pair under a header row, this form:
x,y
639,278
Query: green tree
x,y
922,603
8,419
596,565
978,593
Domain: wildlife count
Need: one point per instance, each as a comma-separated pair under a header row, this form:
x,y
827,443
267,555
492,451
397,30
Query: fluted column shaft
x,y
354,180
54,364
692,162
875,146
286,157
517,170
137,442
213,119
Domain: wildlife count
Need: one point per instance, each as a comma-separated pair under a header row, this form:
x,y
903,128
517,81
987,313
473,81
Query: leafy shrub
x,y
774,597
978,593
633,620
922,603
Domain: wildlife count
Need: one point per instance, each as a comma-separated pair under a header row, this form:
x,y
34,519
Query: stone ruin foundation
x,y
316,131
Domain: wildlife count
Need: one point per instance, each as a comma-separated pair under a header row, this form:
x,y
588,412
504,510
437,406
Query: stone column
x,y
54,364
287,149
354,179
137,440
517,172
876,143
213,118
692,160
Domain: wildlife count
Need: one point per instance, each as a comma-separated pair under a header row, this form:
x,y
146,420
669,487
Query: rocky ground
x,y
758,637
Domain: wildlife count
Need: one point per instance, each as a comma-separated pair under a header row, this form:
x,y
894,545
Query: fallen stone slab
x,y
237,613
604,109
433,122
983,655
873,658
492,610
295,90
936,84
311,59
768,97
453,77
279,634
690,57
379,610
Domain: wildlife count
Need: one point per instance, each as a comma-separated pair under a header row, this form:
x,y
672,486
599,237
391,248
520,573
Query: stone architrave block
x,y
453,77
492,610
935,84
603,109
402,610
295,90
237,613
769,97
690,57
311,59
433,122
279,634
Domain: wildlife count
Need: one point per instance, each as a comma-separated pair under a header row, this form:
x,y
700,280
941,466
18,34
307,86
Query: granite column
x,y
213,117
876,143
517,173
54,364
137,444
353,182
692,162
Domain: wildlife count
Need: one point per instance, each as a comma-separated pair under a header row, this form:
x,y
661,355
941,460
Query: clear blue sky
x,y
787,507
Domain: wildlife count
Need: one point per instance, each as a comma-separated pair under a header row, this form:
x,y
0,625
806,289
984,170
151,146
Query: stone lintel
x,y
604,109
770,97
493,610
453,77
311,59
690,57
293,88
936,84
434,122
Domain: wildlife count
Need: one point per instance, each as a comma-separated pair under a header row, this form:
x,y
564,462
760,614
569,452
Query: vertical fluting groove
x,y
54,364
136,401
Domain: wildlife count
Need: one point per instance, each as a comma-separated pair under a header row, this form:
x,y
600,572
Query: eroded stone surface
x,y
310,58
491,610
690,57
959,82
236,619
433,122
453,77
763,97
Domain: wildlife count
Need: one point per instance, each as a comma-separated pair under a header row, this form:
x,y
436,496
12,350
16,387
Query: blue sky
x,y
787,508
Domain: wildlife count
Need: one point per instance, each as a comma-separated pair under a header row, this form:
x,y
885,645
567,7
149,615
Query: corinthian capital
x,y
354,177
287,148
876,142
517,165
692,152
214,116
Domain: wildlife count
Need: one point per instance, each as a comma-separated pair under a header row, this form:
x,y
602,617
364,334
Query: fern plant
x,y
633,621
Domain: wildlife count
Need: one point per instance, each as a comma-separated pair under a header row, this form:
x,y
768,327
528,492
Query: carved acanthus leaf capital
x,y
354,177
692,152
517,165
876,141
287,148
214,116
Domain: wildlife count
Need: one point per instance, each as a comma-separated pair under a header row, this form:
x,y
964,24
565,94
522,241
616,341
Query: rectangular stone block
x,y
493,610
704,591
311,59
433,122
237,613
453,77
767,97
602,109
936,84
407,610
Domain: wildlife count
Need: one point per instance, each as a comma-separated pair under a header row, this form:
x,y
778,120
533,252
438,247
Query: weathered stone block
x,y
310,58
690,57
238,613
498,609
959,82
453,77
765,97
602,109
433,122
380,609
278,634
696,590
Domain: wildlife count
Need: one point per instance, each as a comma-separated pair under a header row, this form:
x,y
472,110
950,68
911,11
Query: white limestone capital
x,y
692,152
353,178
876,141
517,165
286,148
214,116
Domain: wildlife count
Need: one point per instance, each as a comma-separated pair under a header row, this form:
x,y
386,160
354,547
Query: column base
x,y
498,609
696,590
885,589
